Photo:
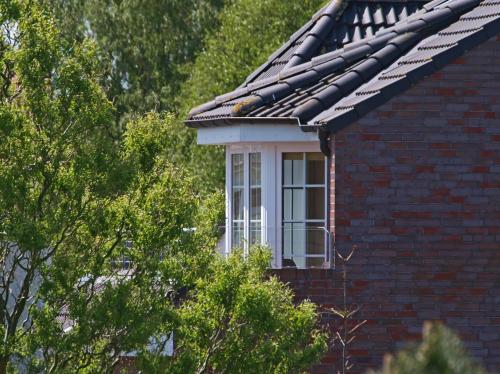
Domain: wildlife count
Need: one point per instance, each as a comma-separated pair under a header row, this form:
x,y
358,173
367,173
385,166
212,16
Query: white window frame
x,y
246,151
271,184
293,148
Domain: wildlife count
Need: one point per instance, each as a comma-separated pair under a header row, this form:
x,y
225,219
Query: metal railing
x,y
295,245
307,247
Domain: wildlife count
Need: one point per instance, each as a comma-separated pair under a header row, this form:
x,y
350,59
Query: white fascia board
x,y
258,133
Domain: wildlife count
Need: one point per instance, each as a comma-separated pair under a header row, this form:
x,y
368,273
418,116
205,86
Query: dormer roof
x,y
350,58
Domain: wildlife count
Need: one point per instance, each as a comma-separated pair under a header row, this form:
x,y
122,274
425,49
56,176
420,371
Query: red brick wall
x,y
417,188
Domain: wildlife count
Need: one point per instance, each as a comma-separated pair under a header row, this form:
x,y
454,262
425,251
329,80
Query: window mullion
x,y
229,202
246,205
304,207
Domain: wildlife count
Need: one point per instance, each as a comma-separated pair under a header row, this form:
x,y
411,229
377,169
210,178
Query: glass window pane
x,y
293,169
237,170
255,169
238,203
299,244
293,204
298,172
316,236
287,240
315,203
287,172
255,203
255,233
238,232
299,239
287,204
315,168
298,205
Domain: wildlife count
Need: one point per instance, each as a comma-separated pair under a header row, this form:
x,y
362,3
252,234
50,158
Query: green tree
x,y
441,352
142,43
54,155
238,320
74,203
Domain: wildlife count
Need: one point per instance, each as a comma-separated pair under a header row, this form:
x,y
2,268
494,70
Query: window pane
x,y
255,169
287,172
315,239
237,170
293,204
238,203
287,204
294,244
298,205
238,232
255,233
287,240
315,203
315,168
299,239
299,244
255,203
293,169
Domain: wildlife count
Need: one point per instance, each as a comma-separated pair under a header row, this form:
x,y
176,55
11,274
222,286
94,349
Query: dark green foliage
x,y
142,43
441,352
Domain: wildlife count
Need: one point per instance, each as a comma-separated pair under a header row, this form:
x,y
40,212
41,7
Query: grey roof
x,y
352,57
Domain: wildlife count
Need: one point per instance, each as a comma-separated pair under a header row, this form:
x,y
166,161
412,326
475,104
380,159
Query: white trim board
x,y
254,134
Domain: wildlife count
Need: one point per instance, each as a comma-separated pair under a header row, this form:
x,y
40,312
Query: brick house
x,y
378,125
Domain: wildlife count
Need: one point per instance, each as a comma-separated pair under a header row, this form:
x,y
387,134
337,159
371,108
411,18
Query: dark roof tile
x,y
386,54
338,24
368,68
308,110
329,95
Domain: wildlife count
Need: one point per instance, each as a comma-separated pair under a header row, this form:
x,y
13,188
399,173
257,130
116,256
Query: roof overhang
x,y
257,132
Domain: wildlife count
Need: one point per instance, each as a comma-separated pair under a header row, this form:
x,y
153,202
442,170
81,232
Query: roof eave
x,y
229,121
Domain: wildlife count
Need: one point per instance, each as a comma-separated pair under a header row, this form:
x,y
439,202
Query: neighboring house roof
x,y
351,58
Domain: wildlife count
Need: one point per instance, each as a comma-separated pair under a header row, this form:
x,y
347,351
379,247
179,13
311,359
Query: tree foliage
x,y
142,44
237,320
73,203
55,155
249,32
441,351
